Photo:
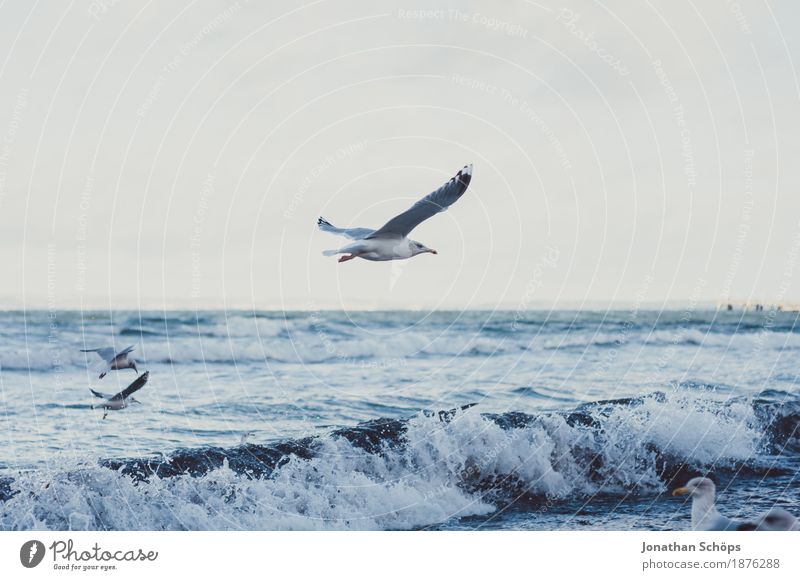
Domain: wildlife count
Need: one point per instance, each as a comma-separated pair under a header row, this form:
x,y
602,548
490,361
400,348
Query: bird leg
x,y
348,257
105,414
102,375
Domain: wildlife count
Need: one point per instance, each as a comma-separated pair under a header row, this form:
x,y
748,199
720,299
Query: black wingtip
x,y
464,176
321,221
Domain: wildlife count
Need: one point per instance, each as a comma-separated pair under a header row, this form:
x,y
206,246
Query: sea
x,y
399,420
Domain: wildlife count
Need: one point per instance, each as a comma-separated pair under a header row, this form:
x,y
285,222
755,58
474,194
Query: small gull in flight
x,y
391,241
114,361
122,399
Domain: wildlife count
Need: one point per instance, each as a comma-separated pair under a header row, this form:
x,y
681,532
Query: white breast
x,y
386,249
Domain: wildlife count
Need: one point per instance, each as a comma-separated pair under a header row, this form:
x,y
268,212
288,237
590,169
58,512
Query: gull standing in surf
x,y
122,399
705,516
114,361
391,242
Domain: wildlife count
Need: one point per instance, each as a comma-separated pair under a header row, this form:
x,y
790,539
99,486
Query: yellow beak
x,y
681,491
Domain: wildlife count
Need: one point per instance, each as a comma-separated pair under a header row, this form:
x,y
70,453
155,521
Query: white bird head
x,y
697,487
417,248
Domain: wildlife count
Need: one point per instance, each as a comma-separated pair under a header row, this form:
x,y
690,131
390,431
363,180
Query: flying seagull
x,y
114,361
122,399
391,241
705,516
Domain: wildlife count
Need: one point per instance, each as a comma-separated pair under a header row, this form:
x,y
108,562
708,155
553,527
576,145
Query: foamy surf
x,y
459,468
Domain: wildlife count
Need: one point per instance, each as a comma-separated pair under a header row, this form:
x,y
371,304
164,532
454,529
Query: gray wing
x,y
140,381
428,206
107,354
100,395
352,233
128,350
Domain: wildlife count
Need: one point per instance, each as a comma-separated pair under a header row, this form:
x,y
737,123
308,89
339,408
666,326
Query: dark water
x,y
569,420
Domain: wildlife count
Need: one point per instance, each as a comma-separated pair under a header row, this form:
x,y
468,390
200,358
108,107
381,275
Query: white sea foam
x,y
441,470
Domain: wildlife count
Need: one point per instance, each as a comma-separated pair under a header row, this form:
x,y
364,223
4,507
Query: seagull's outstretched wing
x,y
100,395
133,387
352,233
428,206
128,350
107,354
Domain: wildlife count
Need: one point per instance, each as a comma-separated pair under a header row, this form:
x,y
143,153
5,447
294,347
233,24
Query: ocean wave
x,y
297,347
417,472
320,338
752,340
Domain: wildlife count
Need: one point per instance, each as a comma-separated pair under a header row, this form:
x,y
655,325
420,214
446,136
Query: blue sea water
x,y
397,420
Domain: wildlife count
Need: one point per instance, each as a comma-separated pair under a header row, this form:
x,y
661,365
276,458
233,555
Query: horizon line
x,y
620,306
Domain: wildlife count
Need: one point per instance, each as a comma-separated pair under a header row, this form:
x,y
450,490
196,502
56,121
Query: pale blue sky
x,y
178,154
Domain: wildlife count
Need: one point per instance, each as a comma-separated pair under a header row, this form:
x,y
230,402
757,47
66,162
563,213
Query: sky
x,y
177,155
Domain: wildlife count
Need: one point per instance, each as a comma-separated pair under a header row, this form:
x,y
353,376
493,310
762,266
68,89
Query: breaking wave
x,y
419,472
